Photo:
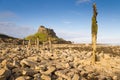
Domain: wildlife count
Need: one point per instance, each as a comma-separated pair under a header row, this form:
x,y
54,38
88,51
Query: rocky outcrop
x,y
45,34
48,31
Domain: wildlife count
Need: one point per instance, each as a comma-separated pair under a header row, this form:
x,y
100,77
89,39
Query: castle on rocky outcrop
x,y
44,34
48,31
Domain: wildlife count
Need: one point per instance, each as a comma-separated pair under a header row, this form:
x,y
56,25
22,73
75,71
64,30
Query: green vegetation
x,y
41,36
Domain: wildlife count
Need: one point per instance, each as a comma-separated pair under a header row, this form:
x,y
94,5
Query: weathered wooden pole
x,y
37,43
50,44
29,43
94,33
28,47
23,43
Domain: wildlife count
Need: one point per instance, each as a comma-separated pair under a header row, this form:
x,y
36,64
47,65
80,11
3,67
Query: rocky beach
x,y
59,40
63,62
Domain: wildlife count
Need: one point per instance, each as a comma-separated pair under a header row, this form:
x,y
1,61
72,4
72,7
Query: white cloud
x,y
7,14
14,30
106,40
67,22
76,37
82,1
85,37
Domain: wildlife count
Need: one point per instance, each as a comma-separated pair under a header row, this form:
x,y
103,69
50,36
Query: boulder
x,y
107,56
60,74
4,63
20,78
59,78
4,74
28,72
37,76
50,70
76,77
34,58
17,72
23,78
115,78
89,54
26,62
45,77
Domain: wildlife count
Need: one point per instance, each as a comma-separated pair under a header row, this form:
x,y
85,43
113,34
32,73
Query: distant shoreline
x,y
104,44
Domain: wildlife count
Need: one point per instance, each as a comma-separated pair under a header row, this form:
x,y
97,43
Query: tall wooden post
x,y
94,32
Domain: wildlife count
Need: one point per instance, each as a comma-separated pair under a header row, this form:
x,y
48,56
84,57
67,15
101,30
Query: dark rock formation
x,y
8,39
48,31
6,36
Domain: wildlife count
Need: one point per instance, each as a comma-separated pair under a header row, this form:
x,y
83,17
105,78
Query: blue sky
x,y
70,19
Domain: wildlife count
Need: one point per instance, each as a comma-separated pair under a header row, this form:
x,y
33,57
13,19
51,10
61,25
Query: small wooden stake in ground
x,y
94,32
37,43
50,44
29,43
23,43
